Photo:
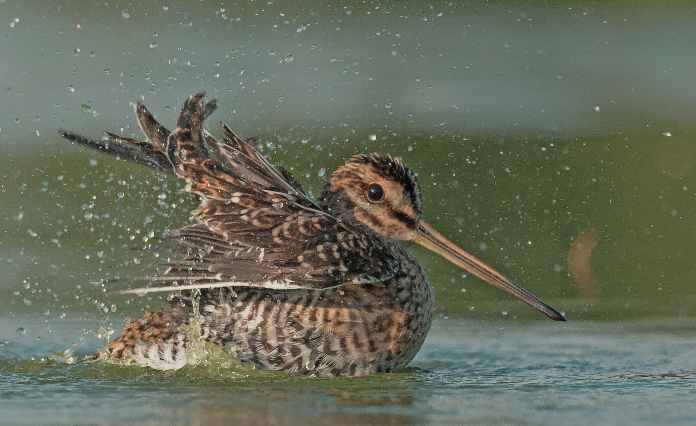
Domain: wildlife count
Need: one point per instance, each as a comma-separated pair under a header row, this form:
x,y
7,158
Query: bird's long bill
x,y
429,238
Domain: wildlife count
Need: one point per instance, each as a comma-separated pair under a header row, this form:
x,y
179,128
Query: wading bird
x,y
282,282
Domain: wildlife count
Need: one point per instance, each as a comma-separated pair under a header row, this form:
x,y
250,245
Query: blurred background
x,y
552,140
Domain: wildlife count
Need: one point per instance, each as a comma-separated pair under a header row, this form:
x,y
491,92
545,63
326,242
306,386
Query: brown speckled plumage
x,y
286,283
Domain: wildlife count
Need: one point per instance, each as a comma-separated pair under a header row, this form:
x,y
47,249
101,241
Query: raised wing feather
x,y
255,226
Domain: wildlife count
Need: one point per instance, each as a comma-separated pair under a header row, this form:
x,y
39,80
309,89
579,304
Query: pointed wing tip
x,y
138,291
73,137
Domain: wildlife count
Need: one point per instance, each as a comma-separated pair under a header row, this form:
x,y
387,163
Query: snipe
x,y
286,283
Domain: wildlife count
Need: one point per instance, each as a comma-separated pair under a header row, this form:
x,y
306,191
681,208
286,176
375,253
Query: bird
x,y
275,279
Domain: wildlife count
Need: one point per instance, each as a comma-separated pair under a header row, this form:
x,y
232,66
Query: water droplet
x,y
125,14
289,57
120,195
373,137
71,88
21,331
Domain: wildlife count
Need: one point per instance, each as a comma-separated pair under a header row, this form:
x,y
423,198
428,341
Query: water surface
x,y
468,372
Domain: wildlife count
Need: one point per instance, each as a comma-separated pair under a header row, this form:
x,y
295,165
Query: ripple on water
x,y
519,373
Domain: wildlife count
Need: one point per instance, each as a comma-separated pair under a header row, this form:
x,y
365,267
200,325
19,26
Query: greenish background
x,y
527,123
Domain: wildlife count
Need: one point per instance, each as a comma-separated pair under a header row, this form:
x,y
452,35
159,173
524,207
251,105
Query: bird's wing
x,y
255,226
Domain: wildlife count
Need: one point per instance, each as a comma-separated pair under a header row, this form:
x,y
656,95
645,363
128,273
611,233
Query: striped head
x,y
381,195
378,192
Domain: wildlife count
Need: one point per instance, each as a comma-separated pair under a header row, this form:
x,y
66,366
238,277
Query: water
x,y
468,372
533,128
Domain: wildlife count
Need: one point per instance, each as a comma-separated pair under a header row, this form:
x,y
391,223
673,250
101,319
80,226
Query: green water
x,y
468,372
527,122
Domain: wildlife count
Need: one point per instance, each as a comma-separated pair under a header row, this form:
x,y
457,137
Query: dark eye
x,y
375,193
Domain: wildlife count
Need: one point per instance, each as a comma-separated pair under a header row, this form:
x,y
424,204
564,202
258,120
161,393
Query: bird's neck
x,y
339,205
